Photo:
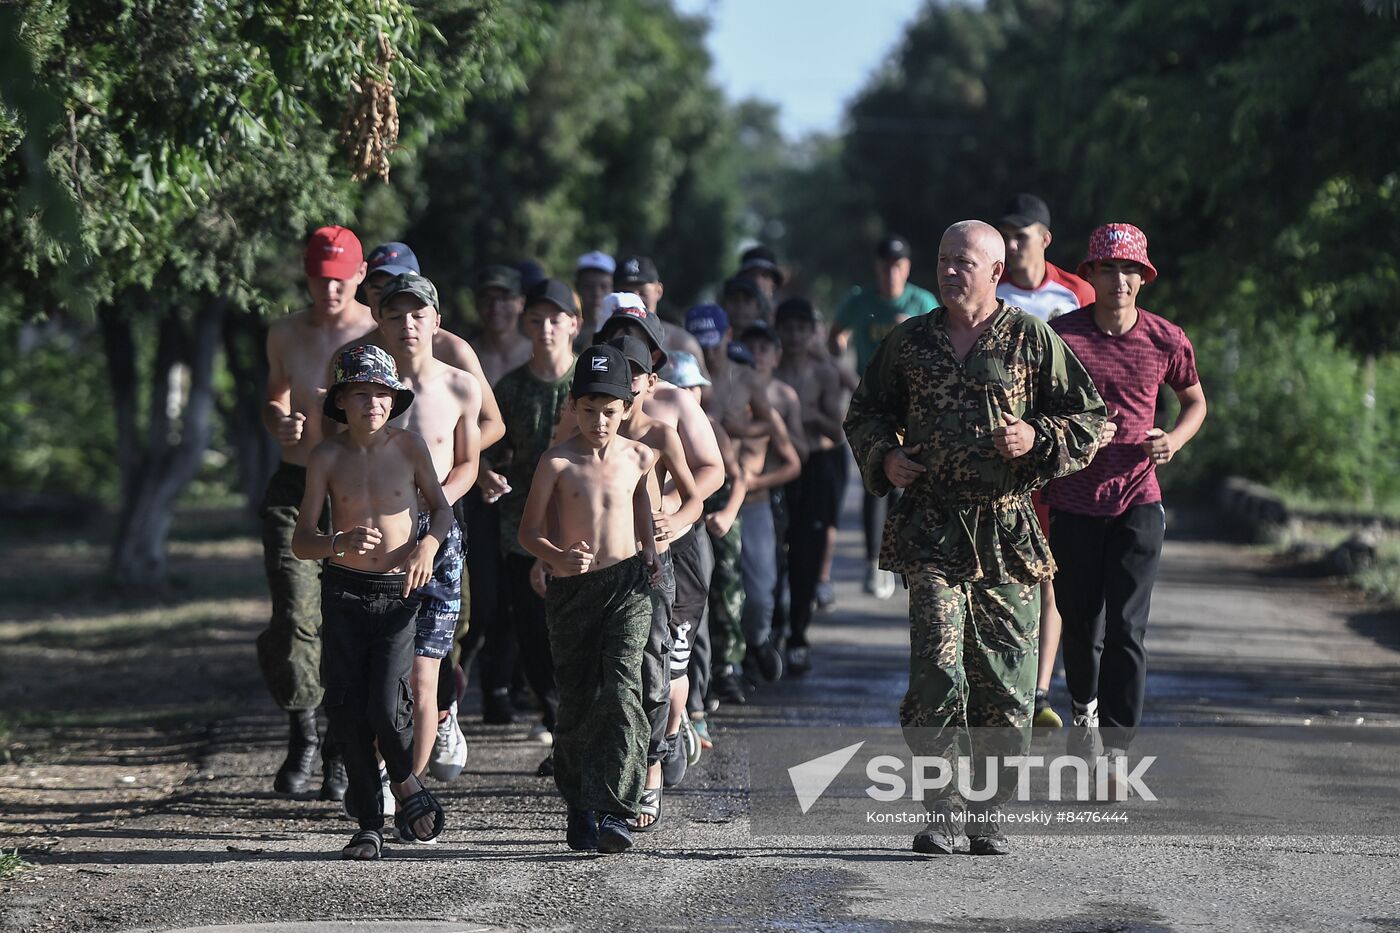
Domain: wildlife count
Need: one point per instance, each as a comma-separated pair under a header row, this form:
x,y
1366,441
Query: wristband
x,y
334,552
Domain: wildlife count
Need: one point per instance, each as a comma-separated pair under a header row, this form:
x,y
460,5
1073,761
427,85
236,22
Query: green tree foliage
x,y
1256,144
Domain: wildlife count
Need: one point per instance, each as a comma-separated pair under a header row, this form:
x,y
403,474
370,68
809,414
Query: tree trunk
x,y
255,451
178,428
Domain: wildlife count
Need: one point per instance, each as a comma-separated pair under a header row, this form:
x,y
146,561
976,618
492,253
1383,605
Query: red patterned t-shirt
x,y
1128,370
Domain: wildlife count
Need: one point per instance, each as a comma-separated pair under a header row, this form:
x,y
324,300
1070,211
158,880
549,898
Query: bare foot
x,y
360,851
423,826
653,781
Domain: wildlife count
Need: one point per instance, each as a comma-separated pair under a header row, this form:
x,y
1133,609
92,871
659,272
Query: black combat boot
x,y
302,745
334,781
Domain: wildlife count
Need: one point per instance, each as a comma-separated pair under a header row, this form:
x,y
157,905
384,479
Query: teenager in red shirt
x,y
1107,520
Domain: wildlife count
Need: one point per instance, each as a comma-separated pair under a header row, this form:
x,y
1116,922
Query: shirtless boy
x,y
666,659
376,561
300,348
814,499
444,413
587,509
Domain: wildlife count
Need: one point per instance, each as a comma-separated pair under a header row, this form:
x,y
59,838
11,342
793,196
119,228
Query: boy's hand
x,y
419,566
718,524
289,428
661,526
1159,446
362,539
539,578
1109,429
577,559
492,485
653,565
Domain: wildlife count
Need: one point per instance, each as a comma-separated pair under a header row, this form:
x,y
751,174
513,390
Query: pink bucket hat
x,y
1118,241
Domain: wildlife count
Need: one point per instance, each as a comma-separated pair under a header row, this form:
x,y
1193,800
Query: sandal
x,y
649,804
413,808
365,837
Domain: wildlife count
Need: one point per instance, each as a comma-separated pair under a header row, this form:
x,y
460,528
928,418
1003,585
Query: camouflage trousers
x,y
289,649
972,666
727,600
598,625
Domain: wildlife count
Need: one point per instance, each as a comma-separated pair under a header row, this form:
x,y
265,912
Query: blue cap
x,y
531,273
707,324
596,260
741,354
393,258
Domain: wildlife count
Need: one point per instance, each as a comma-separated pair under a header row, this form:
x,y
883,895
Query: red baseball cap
x,y
1118,241
334,253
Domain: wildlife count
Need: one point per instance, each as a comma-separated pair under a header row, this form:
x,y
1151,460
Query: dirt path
x,y
142,793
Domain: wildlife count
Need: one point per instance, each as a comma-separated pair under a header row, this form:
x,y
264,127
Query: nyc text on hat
x,y
1118,241
333,253
636,270
371,364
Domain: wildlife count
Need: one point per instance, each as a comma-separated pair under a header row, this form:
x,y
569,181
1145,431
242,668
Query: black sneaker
x,y
546,768
725,686
940,836
334,781
673,762
497,709
799,660
769,661
582,834
613,834
990,844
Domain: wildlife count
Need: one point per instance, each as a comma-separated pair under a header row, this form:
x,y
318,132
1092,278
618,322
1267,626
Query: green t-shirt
x,y
530,409
870,317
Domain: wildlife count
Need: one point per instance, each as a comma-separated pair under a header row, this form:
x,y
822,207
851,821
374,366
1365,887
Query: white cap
x,y
618,300
596,260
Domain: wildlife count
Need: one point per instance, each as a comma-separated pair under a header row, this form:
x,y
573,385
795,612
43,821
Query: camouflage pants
x,y
972,665
598,627
727,600
289,650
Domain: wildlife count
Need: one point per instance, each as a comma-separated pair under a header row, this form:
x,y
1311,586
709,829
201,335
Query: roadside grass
x,y
1309,534
11,864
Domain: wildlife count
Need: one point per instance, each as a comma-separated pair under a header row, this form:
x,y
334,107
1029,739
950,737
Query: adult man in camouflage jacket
x,y
969,408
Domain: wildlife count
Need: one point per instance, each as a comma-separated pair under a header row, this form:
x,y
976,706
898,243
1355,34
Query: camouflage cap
x,y
409,283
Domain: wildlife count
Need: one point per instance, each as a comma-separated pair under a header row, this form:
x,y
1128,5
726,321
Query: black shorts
x,y
816,502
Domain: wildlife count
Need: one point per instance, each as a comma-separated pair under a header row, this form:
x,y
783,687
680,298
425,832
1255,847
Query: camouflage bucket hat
x,y
371,364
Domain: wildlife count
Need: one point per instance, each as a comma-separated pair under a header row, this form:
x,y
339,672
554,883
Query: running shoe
x,y
449,749
690,739
1045,715
799,660
826,596
884,584
539,732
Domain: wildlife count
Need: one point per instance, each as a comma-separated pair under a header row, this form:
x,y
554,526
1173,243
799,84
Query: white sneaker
x,y
884,584
387,792
449,749
872,575
539,733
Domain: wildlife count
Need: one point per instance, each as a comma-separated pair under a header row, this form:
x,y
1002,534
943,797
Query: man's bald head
x,y
981,236
971,257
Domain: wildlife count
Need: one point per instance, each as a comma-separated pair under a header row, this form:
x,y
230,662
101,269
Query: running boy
x,y
375,562
591,492
446,403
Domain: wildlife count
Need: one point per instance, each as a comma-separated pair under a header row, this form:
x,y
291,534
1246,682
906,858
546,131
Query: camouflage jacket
x,y
969,517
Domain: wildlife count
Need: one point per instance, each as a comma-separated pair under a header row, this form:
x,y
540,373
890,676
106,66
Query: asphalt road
x,y
195,838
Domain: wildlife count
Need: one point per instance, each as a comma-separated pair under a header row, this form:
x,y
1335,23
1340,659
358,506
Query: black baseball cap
x,y
602,370
797,309
634,349
498,276
1025,210
892,247
643,318
636,270
760,259
741,284
555,292
759,330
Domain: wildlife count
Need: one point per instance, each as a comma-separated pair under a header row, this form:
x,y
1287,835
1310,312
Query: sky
x,y
807,56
